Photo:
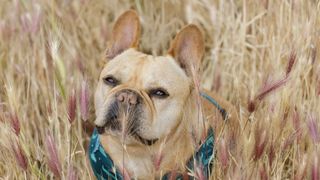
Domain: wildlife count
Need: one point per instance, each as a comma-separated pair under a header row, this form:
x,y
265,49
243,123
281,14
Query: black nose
x,y
128,97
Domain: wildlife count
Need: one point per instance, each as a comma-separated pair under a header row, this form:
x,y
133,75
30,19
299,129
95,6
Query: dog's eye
x,y
110,80
159,93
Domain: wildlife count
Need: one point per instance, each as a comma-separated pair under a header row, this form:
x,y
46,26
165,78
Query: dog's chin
x,y
128,139
108,131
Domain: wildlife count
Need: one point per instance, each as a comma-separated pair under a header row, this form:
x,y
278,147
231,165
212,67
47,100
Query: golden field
x,y
263,56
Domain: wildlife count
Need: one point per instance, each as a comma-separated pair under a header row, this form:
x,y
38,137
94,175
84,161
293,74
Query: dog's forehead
x,y
151,70
165,70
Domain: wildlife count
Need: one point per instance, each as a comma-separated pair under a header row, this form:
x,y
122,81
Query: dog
x,y
150,118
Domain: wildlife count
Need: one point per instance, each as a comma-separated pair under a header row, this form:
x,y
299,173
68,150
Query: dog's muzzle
x,y
127,106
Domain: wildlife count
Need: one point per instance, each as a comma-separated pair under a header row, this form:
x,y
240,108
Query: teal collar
x,y
104,168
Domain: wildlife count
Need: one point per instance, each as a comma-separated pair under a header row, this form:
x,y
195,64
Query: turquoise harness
x,y
104,168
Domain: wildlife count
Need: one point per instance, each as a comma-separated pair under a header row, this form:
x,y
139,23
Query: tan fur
x,y
171,120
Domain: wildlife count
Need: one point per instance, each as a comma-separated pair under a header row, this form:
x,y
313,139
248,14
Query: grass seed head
x,y
15,123
72,173
84,101
261,139
54,163
72,106
315,168
292,59
20,155
223,154
313,128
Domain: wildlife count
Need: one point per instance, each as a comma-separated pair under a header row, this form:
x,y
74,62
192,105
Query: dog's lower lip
x,y
148,142
144,141
100,129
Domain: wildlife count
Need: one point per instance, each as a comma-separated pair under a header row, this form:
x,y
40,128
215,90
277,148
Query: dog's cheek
x,y
167,118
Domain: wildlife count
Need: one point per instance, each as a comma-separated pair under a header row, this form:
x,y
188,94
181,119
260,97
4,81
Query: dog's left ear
x,y
187,48
125,34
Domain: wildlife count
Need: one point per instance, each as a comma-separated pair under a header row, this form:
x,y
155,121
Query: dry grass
x,y
51,54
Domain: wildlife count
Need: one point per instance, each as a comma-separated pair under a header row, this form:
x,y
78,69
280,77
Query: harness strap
x,y
215,103
101,163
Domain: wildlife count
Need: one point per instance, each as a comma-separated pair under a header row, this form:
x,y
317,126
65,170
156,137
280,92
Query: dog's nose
x,y
128,97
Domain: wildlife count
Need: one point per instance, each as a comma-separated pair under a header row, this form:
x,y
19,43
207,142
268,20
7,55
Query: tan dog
x,y
146,107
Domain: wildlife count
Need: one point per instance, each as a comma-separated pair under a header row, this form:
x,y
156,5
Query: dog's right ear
x,y
187,48
125,34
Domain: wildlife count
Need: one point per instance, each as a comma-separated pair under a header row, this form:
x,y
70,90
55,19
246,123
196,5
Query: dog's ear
x,y
125,34
187,48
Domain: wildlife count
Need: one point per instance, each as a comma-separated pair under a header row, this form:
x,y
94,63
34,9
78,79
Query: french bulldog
x,y
148,113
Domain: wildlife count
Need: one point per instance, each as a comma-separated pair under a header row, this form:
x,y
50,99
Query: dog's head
x,y
141,98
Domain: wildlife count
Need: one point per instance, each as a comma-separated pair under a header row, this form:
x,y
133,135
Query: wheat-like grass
x,y
51,53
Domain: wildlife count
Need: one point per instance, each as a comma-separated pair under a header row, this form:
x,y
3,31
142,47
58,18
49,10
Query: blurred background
x,y
261,55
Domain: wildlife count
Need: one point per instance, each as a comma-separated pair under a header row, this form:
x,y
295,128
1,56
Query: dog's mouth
x,y
124,120
144,141
135,135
